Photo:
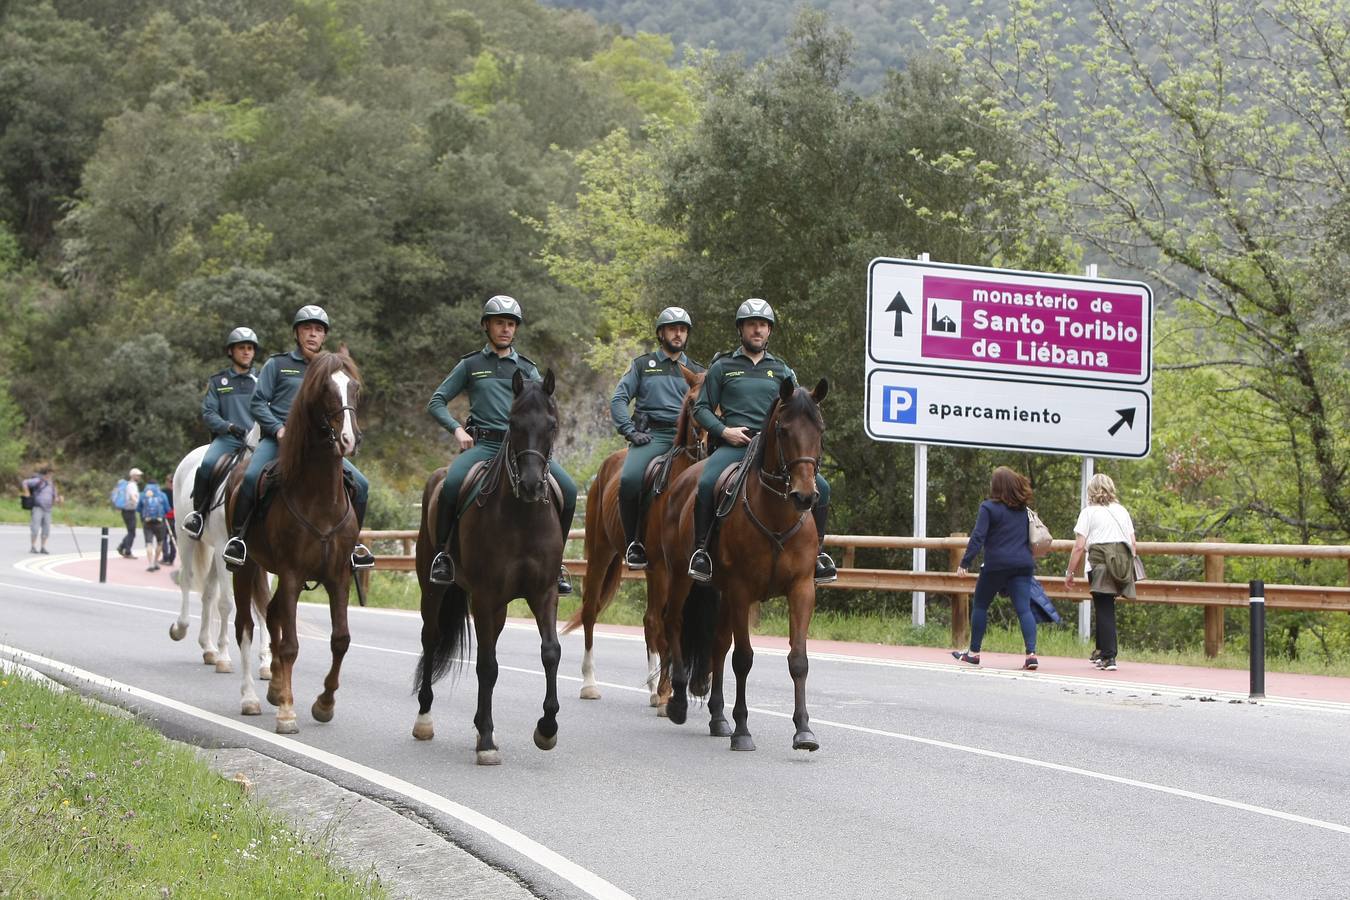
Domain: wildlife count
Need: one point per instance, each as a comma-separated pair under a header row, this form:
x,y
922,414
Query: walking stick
x,y
75,539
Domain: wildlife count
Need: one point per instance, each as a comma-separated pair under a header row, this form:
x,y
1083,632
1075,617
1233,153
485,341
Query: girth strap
x,y
325,537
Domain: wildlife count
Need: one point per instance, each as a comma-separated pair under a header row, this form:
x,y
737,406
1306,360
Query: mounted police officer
x,y
654,384
225,412
278,383
486,376
744,383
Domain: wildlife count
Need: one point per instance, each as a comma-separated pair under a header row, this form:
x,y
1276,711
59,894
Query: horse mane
x,y
685,423
302,421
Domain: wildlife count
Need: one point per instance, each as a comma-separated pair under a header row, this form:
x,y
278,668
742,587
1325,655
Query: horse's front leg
x,y
178,630
545,611
801,604
341,639
718,726
221,600
285,650
245,582
658,679
677,707
742,658
486,621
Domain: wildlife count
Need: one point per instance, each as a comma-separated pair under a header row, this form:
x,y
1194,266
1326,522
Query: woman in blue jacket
x,y
1001,531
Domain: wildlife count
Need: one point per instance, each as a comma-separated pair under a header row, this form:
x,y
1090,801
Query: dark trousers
x,y
1016,583
129,520
1104,608
630,478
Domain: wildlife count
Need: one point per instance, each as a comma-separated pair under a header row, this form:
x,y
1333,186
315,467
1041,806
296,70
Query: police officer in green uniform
x,y
656,387
225,412
278,383
744,384
486,375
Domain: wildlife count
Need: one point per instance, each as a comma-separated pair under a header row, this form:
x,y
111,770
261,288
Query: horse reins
x,y
782,475
325,537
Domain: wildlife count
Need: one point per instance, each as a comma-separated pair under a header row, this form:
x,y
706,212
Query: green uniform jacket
x,y
743,389
278,383
228,395
654,380
487,378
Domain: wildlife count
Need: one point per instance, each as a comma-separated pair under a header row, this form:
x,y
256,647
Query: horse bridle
x,y
783,474
332,436
513,467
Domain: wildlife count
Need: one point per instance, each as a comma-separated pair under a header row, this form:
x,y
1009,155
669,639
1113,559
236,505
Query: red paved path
x,y
131,572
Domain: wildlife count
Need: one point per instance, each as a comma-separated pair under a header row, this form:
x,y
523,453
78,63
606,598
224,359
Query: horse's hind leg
x,y
244,585
718,726
423,729
488,621
221,601
742,658
595,598
658,680
178,630
285,649
545,612
801,603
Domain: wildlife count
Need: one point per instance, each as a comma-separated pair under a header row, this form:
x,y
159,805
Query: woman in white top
x,y
1104,528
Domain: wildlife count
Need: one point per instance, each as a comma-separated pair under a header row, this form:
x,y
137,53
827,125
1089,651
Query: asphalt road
x,y
930,781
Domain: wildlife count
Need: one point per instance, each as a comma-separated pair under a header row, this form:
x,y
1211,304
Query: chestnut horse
x,y
767,548
605,547
507,544
306,535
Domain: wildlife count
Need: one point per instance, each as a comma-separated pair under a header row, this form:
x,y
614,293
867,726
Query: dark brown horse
x,y
507,544
605,546
306,535
767,548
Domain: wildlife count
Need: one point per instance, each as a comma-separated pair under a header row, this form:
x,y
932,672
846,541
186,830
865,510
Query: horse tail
x,y
700,628
452,637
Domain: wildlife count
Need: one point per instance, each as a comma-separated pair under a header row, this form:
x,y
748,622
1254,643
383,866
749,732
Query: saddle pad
x,y
474,481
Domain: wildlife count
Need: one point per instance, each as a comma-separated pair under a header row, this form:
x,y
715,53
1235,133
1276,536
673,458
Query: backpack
x,y
118,497
155,504
1038,536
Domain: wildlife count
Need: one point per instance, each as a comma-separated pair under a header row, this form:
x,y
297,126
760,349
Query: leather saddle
x,y
730,482
483,478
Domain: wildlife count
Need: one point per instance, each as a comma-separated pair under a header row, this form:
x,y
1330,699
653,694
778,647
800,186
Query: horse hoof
x,y
544,743
805,740
178,632
742,742
287,726
422,728
273,695
224,666
719,727
250,708
654,701
663,711
265,673
590,692
488,758
320,712
677,714
208,656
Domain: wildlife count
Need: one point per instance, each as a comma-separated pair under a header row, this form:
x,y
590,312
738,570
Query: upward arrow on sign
x,y
899,307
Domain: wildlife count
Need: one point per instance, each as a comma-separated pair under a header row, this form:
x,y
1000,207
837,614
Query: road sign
x,y
1060,364
972,410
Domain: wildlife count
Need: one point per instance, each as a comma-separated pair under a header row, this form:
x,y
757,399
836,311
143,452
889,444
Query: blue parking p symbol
x,y
900,405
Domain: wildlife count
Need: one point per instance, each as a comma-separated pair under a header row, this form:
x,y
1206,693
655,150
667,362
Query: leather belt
x,y
486,434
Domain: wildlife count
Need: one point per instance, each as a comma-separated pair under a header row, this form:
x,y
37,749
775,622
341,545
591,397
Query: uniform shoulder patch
x,y
525,359
718,355
471,353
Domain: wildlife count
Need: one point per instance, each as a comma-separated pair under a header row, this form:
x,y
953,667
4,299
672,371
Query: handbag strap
x,y
1128,535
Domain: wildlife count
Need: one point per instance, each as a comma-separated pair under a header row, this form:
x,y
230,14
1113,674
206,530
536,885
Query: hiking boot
x,y
194,525
966,656
635,557
1095,657
1109,664
362,558
700,566
442,569
564,583
825,570
235,553
1032,663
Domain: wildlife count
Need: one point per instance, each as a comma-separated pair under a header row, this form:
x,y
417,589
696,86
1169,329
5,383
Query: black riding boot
x,y
565,522
700,564
443,567
634,555
825,570
362,558
195,523
235,551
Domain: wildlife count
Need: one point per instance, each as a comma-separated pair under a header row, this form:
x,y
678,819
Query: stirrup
x,y
194,525
235,553
825,569
362,558
564,583
700,566
635,557
442,569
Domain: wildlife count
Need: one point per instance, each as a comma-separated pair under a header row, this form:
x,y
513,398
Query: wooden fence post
x,y
1214,573
960,602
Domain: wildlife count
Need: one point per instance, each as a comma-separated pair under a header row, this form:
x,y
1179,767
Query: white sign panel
x,y
1010,359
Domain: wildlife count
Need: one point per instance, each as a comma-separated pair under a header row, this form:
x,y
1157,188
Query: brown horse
x,y
306,535
605,546
507,544
767,548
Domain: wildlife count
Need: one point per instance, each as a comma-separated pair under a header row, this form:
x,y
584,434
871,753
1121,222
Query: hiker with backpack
x,y
125,497
153,507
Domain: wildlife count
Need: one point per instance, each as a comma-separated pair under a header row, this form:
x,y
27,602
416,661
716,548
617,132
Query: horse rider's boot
x,y
564,582
194,525
442,569
362,558
700,564
825,570
235,551
635,556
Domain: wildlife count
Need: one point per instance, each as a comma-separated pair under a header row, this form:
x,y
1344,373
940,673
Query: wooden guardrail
x,y
1214,593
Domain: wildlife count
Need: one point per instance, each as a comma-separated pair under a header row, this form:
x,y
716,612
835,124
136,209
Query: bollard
x,y
103,557
1257,605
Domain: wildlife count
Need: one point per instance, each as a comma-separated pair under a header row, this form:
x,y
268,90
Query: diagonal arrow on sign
x,y
899,307
1126,418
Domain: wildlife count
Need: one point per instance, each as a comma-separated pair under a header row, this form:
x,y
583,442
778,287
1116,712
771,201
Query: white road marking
x,y
564,868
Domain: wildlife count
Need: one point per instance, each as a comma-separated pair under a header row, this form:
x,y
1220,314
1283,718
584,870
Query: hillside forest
x,y
172,169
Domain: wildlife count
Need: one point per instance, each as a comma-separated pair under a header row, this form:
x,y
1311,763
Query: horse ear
x,y
549,381
787,389
822,388
690,378
342,350
517,382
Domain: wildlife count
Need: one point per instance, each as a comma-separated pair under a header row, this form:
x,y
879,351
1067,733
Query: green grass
x,y
63,514
94,804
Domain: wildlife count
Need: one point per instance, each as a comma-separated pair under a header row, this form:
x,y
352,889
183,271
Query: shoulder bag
x,y
1038,535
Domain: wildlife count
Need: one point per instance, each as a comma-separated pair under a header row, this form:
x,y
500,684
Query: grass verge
x,y
94,804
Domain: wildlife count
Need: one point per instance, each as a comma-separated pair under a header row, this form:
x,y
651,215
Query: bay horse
x,y
306,535
767,548
203,570
605,548
507,544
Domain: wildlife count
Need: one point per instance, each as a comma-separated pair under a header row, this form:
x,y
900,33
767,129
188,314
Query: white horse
x,y
202,569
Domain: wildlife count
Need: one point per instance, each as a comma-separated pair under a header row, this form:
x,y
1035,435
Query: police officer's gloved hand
x,y
639,438
236,430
